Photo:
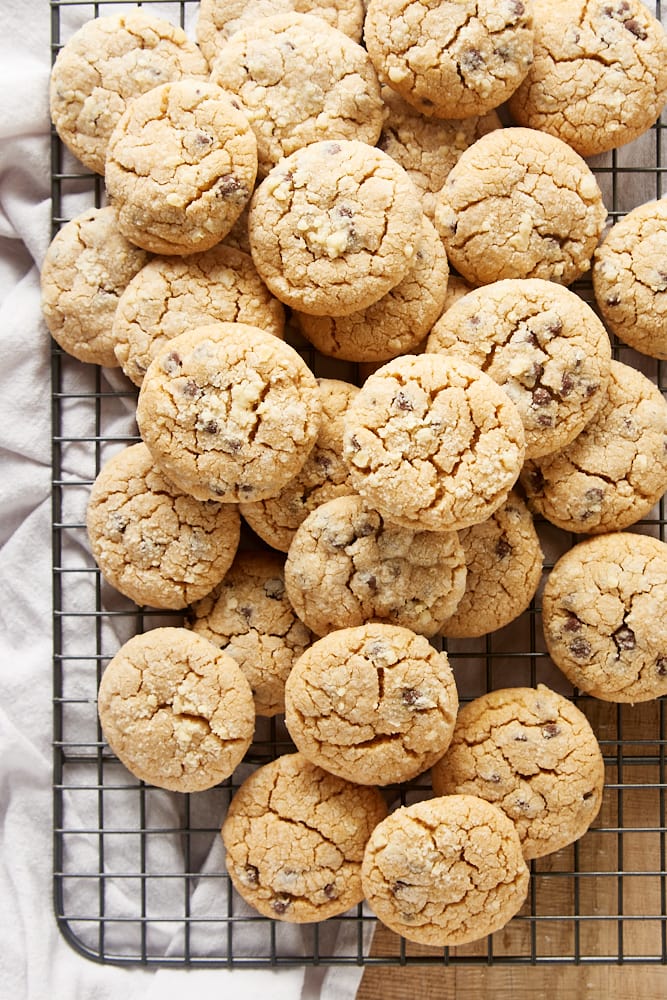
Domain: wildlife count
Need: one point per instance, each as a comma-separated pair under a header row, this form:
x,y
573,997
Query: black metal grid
x,y
134,877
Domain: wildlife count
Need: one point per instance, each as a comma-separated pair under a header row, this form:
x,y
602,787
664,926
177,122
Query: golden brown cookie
x,y
295,838
176,711
520,204
534,754
615,470
181,165
605,616
153,542
433,443
372,704
172,295
347,566
85,271
229,412
445,871
250,618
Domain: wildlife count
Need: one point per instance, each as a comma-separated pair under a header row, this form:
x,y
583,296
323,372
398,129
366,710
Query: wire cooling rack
x,y
138,872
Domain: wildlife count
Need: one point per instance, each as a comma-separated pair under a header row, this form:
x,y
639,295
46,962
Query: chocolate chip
x,y
191,389
555,327
402,401
661,666
566,385
274,588
230,186
172,363
494,779
613,300
345,212
581,649
398,886
517,8
202,139
536,480
371,582
624,638
541,397
246,612
531,338
280,904
635,28
211,427
471,60
503,548
545,420
591,389
550,730
572,624
594,496
231,445
330,891
251,875
410,696
354,443
520,738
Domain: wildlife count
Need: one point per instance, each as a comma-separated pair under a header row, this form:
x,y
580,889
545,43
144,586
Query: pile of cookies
x,y
283,173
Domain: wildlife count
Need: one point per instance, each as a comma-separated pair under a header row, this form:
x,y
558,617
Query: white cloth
x,y
35,961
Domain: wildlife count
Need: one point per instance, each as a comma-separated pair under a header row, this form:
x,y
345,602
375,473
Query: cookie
x,y
531,752
503,559
375,704
176,711
172,295
181,165
613,473
428,148
447,59
630,279
152,542
433,443
229,412
347,566
333,227
445,871
323,477
295,838
397,322
604,612
599,77
86,267
249,616
520,204
220,19
298,80
542,344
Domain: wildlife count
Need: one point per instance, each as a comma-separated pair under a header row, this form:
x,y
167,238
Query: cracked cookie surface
x,y
542,343
229,412
154,543
397,322
176,711
334,226
615,470
534,754
605,616
87,266
323,477
249,617
520,204
372,704
106,64
630,279
347,566
433,443
503,561
445,871
180,167
599,77
298,81
451,59
170,296
295,837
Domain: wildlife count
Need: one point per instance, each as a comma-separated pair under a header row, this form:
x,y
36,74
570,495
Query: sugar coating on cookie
x,y
176,711
229,412
428,148
153,542
347,565
106,64
220,19
334,226
86,268
372,704
542,343
605,616
520,204
630,279
433,443
613,473
294,837
323,477
397,322
249,616
445,871
181,165
599,76
170,296
534,754
298,81
503,560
